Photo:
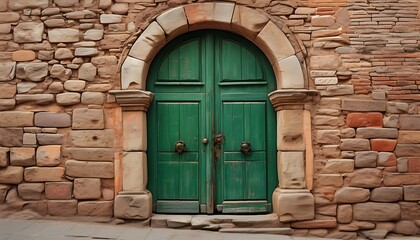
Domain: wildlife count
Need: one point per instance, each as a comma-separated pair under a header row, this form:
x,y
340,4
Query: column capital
x,y
133,99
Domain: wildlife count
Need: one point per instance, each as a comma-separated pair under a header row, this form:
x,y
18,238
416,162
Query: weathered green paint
x,y
205,83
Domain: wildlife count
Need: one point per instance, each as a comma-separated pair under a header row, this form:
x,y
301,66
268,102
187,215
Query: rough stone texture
x,y
16,119
365,159
384,145
409,122
291,170
63,35
380,212
386,194
11,137
43,174
412,193
67,99
352,195
365,178
363,105
327,223
134,171
4,156
357,144
49,119
92,138
97,208
409,137
133,206
364,120
344,213
339,166
28,32
401,179
290,130
85,118
49,139
22,4
22,156
409,210
87,188
90,154
405,227
173,21
8,70
58,190
75,86
48,156
376,133
31,191
63,208
89,169
23,55
407,150
11,175
293,205
96,98
35,72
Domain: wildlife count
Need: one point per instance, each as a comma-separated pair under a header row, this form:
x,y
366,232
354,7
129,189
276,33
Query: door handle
x,y
180,146
218,139
246,147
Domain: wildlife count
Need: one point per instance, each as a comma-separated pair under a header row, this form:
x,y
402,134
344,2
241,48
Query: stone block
x,y
48,156
335,180
331,151
22,156
364,159
134,171
110,18
339,166
85,52
11,175
9,17
328,136
412,193
327,62
414,165
63,53
409,210
405,227
89,169
87,188
16,119
356,144
134,73
293,205
386,159
291,169
11,137
4,157
43,174
383,145
58,190
400,179
247,21
22,4
317,223
27,32
344,213
289,73
326,81
363,105
40,99
337,90
63,35
173,21
322,21
95,98
409,122
93,34
120,8
380,212
274,43
85,118
372,132
149,42
95,208
67,99
357,120
135,131
407,150
290,130
87,72
90,154
351,195
365,178
8,70
39,207
211,14
50,139
92,138
23,55
32,71
8,90
133,206
63,208
391,121
386,194
409,137
7,104
50,119
31,191
66,3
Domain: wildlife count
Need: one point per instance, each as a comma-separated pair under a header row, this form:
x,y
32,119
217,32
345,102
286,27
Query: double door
x,y
211,127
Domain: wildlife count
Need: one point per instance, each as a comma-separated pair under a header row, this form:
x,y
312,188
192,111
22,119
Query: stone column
x,y
292,200
134,201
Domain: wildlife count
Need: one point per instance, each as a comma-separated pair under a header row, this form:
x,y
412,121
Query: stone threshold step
x,y
217,222
282,231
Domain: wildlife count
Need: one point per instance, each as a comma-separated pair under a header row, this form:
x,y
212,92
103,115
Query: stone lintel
x,y
133,98
283,97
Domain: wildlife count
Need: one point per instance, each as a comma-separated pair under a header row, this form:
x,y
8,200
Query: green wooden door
x,y
211,95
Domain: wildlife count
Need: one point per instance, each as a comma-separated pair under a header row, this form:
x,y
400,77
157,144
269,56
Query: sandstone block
x,y
410,122
246,21
149,42
412,193
380,212
386,194
4,157
328,136
407,150
291,170
330,180
357,120
33,71
90,154
64,35
339,166
30,191
217,15
22,156
363,105
92,138
326,80
409,137
55,23
11,137
391,121
22,4
49,139
8,70
110,18
322,21
365,159
317,223
95,208
8,90
69,98
293,205
409,210
50,119
352,195
372,132
66,3
399,179
384,145
80,14
43,174
16,119
365,178
58,190
286,77
27,32
75,86
327,62
406,227
386,159
85,52
11,175
133,206
133,72
87,188
62,208
60,72
8,17
93,34
39,207
89,169
63,53
7,104
135,131
119,8
87,72
173,21
134,171
48,156
337,90
40,99
356,144
290,130
85,118
345,213
23,55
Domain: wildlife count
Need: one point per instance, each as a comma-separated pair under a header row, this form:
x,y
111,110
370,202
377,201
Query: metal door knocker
x,y
246,147
180,146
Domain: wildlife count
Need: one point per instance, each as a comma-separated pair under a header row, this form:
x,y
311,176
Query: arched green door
x,y
211,127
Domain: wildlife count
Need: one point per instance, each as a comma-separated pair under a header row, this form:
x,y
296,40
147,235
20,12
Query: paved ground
x,y
60,230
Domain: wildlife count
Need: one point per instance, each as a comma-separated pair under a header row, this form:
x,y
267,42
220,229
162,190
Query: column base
x,y
133,205
293,204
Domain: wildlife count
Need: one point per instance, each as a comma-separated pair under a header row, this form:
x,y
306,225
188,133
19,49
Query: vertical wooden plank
x,y
168,183
168,126
189,122
164,70
256,175
231,55
249,65
256,125
189,61
173,65
234,184
188,181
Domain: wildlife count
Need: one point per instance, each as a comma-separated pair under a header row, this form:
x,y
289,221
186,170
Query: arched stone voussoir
x,y
174,22
134,73
248,22
151,40
289,74
216,15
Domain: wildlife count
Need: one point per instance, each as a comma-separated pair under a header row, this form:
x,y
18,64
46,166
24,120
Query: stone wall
x,y
61,132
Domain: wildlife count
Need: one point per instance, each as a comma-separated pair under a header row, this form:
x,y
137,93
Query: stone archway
x,y
292,199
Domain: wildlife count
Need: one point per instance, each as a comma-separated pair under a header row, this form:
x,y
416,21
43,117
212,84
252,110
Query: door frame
x,y
292,97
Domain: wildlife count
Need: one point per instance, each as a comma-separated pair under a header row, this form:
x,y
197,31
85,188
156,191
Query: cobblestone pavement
x,y
61,230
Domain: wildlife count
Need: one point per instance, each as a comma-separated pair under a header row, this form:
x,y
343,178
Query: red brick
x,y
364,119
383,145
414,165
58,190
